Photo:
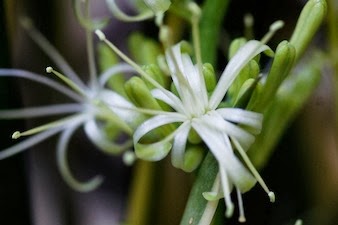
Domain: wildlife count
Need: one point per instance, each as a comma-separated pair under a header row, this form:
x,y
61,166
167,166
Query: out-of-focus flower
x,y
96,106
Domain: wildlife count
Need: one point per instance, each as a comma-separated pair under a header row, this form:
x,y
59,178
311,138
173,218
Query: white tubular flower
x,y
219,128
95,107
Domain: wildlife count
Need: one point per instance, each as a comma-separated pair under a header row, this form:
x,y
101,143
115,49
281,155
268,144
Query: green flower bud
x,y
235,45
209,76
281,66
310,19
193,158
139,93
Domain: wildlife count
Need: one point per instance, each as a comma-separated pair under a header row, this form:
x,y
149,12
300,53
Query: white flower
x,y
219,128
95,107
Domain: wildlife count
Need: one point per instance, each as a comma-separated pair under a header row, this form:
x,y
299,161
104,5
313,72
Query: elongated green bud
x,y
193,158
310,19
156,73
281,67
143,50
245,93
235,45
251,70
209,76
139,93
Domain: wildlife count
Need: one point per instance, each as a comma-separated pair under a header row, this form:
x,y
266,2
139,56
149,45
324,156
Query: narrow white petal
x,y
100,139
121,106
154,123
62,162
180,140
169,98
40,111
235,65
112,71
226,191
157,150
242,116
40,79
219,144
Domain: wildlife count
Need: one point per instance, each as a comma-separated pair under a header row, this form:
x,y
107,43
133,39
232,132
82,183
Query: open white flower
x,y
95,107
219,128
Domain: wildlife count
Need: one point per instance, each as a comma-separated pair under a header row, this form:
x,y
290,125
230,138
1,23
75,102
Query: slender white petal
x,y
122,107
180,140
169,98
40,111
154,123
235,65
62,162
242,116
100,139
158,150
112,71
230,129
220,146
226,191
40,79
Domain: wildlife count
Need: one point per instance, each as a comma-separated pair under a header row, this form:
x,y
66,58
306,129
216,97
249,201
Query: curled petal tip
x,y
276,25
242,219
272,196
229,211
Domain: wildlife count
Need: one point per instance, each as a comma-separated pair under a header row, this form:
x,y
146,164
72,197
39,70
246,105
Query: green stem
x,y
203,183
213,12
212,17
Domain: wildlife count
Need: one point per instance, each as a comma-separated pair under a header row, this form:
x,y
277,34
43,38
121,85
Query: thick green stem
x,y
213,13
212,17
203,183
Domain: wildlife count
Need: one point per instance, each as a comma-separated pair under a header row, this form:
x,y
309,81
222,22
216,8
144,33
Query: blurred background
x,y
303,170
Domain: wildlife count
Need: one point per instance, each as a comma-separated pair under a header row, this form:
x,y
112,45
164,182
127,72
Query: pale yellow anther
x,y
272,196
49,69
16,135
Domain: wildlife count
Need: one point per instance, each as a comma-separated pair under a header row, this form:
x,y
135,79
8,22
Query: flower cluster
x,y
188,112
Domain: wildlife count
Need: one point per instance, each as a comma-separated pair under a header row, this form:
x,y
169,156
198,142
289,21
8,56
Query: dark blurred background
x,y
302,171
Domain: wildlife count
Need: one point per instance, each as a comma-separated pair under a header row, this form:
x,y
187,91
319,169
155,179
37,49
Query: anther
x,y
49,69
16,135
272,196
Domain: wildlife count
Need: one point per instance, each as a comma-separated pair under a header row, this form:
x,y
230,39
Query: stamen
x,y
66,80
248,26
48,126
49,50
241,218
272,30
253,170
138,69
